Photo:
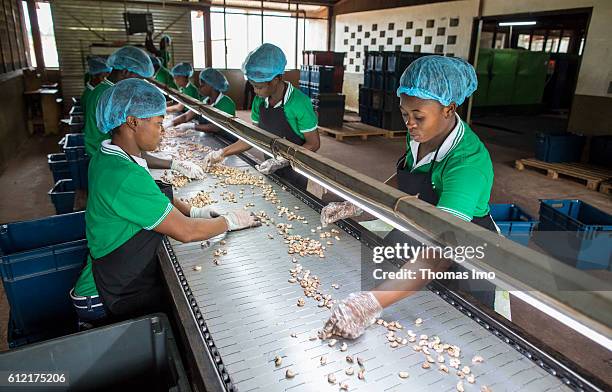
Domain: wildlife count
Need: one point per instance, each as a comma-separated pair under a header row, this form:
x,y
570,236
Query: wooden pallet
x,y
606,188
396,134
353,129
593,175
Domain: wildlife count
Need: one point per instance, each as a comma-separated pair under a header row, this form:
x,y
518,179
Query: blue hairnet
x,y
155,61
132,59
444,79
97,65
167,38
182,69
264,63
214,79
129,97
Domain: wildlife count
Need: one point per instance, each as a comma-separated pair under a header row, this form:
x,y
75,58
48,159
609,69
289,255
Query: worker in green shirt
x,y
164,51
445,164
97,71
128,214
182,72
213,85
162,74
127,62
278,108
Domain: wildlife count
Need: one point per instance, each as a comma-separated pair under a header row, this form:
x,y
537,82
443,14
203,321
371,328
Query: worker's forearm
x,y
155,162
183,118
314,147
206,127
236,148
203,229
393,290
175,108
183,207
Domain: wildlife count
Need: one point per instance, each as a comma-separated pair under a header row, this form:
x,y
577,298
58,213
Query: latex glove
x,y
168,123
238,220
271,165
185,126
204,212
188,169
351,316
335,211
212,158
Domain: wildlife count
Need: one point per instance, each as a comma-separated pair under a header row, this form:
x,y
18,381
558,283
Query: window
x,y
564,45
197,39
47,35
523,41
537,43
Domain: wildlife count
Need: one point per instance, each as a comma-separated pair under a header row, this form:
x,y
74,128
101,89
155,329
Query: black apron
x,y
421,184
274,121
128,279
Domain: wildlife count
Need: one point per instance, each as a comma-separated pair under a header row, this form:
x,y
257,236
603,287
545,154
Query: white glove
x,y
271,165
188,169
238,220
351,316
168,123
212,158
335,211
185,126
204,212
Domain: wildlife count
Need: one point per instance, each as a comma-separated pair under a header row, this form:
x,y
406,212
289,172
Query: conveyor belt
x,y
250,311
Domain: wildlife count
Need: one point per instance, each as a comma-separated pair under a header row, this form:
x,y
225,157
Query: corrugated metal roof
x,y
95,27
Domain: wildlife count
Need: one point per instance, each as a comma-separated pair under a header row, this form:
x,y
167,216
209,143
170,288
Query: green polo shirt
x,y
123,199
462,174
223,103
93,136
88,89
165,77
191,91
298,111
165,57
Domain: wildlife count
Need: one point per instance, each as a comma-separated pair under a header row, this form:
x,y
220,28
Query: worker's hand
x,y
271,165
185,126
212,158
238,220
335,211
204,212
168,123
188,169
351,316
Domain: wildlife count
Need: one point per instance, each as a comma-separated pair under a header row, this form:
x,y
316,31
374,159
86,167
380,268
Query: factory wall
x,y
13,129
94,27
443,28
593,99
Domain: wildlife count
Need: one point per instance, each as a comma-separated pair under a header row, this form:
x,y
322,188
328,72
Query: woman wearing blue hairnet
x,y
445,164
164,50
97,71
213,85
182,73
127,62
278,108
127,213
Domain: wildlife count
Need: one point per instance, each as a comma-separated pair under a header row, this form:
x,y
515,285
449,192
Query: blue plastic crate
x,y
576,233
37,233
564,147
58,166
513,222
62,196
37,284
78,160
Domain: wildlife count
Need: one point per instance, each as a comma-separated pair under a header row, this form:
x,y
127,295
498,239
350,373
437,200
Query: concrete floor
x,y
26,180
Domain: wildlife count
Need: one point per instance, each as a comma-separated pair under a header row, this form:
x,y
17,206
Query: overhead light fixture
x,y
527,23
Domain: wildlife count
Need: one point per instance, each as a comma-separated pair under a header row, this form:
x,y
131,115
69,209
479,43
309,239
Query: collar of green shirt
x,y
110,149
447,146
285,98
207,99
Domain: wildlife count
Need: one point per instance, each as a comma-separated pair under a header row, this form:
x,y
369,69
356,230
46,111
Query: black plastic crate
x,y
370,60
305,88
330,116
78,160
601,151
391,82
305,73
364,113
562,147
397,62
393,121
62,196
365,96
379,61
392,102
375,117
328,100
378,99
139,354
322,78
